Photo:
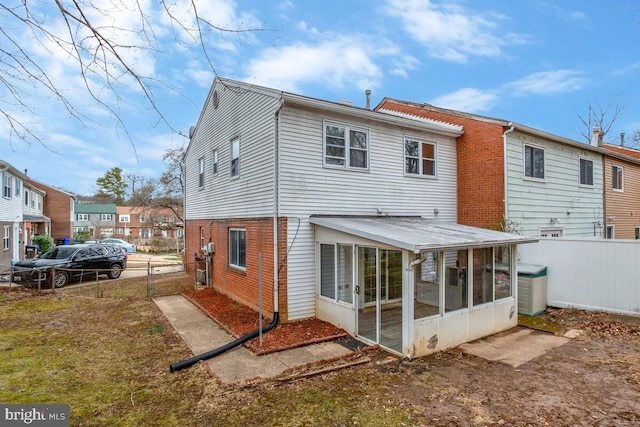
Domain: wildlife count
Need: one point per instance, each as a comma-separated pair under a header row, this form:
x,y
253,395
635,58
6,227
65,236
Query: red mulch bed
x,y
240,320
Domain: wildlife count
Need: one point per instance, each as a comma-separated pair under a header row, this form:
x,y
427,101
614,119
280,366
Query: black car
x,y
71,262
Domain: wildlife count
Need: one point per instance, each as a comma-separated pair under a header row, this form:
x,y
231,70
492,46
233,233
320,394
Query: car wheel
x,y
115,271
28,282
60,279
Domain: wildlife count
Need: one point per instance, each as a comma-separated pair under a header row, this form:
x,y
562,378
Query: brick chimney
x,y
596,139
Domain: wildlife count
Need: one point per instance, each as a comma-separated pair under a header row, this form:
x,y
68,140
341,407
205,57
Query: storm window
x,y
419,157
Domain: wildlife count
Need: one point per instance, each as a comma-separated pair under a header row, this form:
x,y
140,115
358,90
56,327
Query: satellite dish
x,y
192,130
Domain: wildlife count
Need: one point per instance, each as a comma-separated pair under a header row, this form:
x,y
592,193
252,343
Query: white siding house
x,y
345,214
10,214
554,185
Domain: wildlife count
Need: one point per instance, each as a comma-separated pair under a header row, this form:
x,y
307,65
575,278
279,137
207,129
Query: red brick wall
x,y
57,206
480,162
240,285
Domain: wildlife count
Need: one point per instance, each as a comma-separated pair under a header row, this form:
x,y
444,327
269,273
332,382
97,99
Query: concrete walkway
x,y
239,364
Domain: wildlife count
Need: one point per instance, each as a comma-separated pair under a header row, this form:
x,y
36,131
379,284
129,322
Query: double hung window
x,y
346,146
201,172
215,162
235,157
237,248
617,178
586,172
533,162
419,157
6,185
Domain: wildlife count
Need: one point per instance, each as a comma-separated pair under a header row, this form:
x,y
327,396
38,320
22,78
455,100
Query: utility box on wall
x,y
532,289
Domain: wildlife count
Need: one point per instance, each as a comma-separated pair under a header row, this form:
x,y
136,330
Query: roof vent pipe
x,y
368,97
622,139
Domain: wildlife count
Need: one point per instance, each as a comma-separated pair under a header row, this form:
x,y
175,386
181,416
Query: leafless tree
x,y
104,50
602,117
165,193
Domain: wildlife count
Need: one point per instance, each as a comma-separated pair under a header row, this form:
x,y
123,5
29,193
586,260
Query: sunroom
x,y
412,285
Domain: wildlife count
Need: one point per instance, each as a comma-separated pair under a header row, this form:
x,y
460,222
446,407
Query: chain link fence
x,y
145,277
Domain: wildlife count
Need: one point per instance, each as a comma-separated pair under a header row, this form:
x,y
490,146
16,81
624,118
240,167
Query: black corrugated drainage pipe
x,y
233,344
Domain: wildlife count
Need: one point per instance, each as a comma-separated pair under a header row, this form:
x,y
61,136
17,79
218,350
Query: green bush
x,y
44,242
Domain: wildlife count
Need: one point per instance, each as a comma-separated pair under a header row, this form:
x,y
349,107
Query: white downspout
x,y
276,208
506,168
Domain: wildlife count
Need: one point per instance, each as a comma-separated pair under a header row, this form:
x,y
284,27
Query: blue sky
x,y
538,63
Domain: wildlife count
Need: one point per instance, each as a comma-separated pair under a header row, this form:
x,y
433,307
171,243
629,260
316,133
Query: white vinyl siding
x,y
251,194
306,188
531,203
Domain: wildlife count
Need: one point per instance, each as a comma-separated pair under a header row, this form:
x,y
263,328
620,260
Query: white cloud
x,y
547,83
339,62
467,99
450,32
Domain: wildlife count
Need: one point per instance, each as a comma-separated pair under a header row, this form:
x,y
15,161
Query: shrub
x,y
44,242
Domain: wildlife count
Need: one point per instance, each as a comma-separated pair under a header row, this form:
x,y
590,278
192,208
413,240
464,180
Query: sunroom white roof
x,y
417,234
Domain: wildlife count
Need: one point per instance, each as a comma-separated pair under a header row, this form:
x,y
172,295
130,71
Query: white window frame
x,y
419,158
6,240
6,185
344,161
17,187
235,260
610,231
124,218
82,217
615,169
214,162
201,172
585,160
524,163
106,217
26,197
234,157
341,268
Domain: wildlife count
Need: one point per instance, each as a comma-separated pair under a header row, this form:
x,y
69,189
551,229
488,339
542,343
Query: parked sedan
x,y
128,246
71,262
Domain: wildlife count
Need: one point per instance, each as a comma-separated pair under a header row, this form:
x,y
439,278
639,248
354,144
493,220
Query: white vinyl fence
x,y
589,274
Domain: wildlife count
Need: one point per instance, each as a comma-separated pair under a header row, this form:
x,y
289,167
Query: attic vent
x,y
215,99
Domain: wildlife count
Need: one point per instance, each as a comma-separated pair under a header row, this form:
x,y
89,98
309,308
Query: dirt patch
x,y
240,320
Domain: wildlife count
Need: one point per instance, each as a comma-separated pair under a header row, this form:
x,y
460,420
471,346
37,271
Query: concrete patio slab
x,y
514,346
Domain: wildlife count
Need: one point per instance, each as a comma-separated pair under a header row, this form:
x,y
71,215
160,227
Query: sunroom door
x,y
380,296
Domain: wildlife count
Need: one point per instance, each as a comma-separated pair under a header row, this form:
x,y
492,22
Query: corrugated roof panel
x,y
416,234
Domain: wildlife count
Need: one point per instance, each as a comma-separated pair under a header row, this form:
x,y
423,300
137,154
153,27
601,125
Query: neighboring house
x,y
622,190
34,220
147,223
96,219
514,177
58,206
11,216
342,213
